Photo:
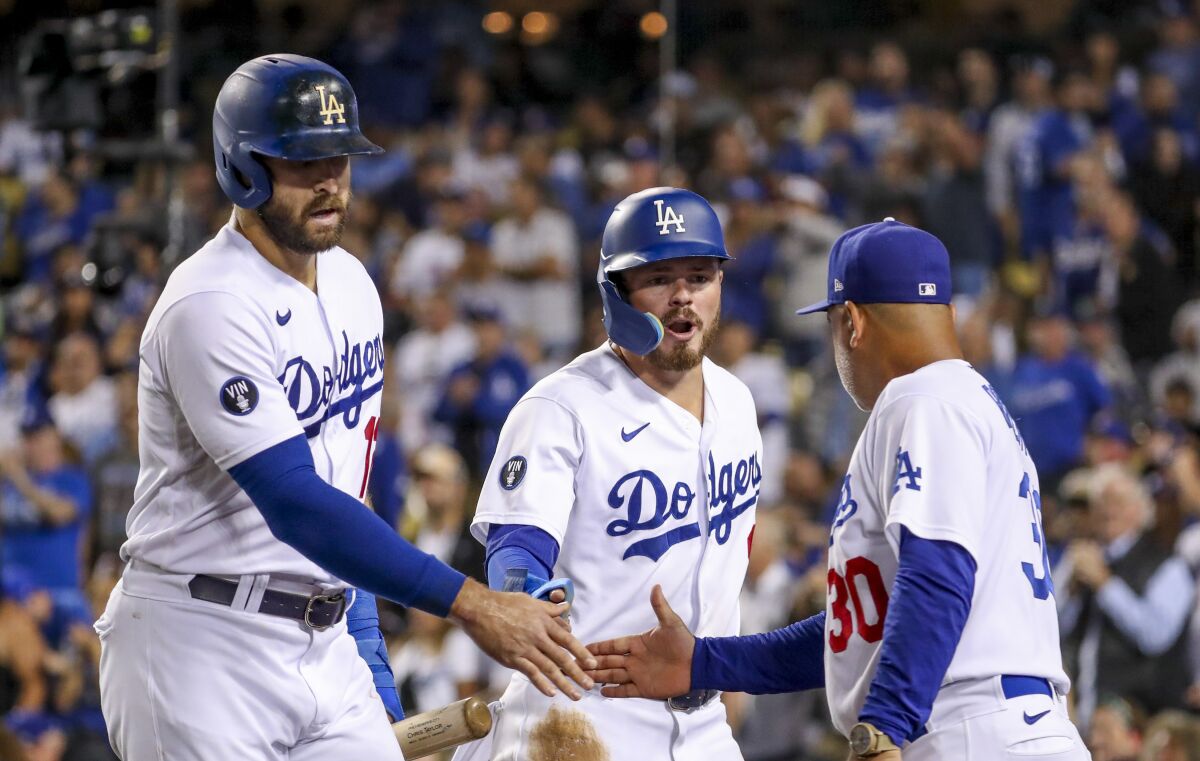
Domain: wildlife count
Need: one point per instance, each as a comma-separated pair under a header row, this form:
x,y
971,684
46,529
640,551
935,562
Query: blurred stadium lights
x,y
78,73
66,63
653,25
667,63
498,22
538,27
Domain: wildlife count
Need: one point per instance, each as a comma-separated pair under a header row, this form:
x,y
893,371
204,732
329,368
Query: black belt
x,y
692,700
318,612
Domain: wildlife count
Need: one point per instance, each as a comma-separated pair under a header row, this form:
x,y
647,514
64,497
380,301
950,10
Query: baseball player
x,y
638,464
259,385
940,637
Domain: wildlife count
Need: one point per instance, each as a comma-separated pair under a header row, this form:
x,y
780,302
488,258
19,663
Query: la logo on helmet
x,y
666,218
331,108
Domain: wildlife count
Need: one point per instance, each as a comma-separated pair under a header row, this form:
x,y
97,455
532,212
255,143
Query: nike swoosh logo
x,y
282,319
1034,719
629,436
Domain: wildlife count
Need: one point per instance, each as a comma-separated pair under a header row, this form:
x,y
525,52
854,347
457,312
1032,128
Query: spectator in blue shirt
x,y
836,155
1082,260
753,247
1179,54
45,505
1158,109
1054,392
879,101
1044,163
479,394
50,219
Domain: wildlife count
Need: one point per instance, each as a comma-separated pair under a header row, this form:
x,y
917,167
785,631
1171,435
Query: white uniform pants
x,y
973,721
187,680
612,729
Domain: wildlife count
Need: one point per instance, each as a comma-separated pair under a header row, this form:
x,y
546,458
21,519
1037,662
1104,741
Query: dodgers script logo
x,y
309,389
732,488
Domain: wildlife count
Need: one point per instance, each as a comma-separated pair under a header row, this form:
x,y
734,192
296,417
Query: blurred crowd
x,y
1063,176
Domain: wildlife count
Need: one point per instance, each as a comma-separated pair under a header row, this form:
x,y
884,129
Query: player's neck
x,y
302,267
912,356
683,387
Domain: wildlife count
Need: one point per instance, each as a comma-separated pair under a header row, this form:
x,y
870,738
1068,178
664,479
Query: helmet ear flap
x,y
639,332
246,182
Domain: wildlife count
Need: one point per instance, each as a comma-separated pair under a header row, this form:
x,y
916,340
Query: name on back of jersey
x,y
648,507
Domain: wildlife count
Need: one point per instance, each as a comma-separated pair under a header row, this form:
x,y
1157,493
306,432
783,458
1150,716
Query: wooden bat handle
x,y
442,728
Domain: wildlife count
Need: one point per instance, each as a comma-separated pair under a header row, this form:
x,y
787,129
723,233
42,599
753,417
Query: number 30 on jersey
x,y
858,602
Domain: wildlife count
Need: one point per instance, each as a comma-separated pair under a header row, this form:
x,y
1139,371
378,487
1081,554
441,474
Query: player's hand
x,y
656,664
560,596
525,634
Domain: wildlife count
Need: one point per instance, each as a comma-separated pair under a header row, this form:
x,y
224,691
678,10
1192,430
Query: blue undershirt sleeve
x,y
362,622
518,546
935,582
339,533
790,659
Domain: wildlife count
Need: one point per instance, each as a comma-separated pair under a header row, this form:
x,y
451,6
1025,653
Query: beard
x,y
682,357
845,370
291,232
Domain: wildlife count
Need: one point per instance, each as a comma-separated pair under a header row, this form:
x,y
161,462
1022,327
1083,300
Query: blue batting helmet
x,y
287,107
651,226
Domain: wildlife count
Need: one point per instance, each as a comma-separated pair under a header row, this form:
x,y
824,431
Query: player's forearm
x,y
339,533
790,659
934,583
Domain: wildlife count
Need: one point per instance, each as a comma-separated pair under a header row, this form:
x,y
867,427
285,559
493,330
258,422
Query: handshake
x,y
534,636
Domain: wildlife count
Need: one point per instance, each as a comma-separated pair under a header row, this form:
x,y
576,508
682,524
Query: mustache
x,y
682,313
326,202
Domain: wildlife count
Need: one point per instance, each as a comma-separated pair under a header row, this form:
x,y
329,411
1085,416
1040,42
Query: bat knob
x,y
477,716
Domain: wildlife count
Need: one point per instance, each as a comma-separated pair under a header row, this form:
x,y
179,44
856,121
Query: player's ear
x,y
855,323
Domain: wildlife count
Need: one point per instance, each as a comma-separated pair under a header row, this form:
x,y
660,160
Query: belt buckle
x,y
308,609
692,701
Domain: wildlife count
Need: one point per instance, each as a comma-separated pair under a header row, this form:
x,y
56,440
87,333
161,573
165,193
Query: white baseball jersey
x,y
637,492
238,356
940,456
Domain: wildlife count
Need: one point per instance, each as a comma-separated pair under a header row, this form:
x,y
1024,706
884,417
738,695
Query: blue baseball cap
x,y
886,262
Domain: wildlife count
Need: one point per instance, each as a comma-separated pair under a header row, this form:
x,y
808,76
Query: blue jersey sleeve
x,y
339,533
517,546
934,583
790,659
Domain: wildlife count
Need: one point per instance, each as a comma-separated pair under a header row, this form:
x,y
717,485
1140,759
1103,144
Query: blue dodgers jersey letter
x,y
725,485
307,391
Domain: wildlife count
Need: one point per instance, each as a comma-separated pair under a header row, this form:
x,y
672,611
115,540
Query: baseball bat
x,y
442,728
